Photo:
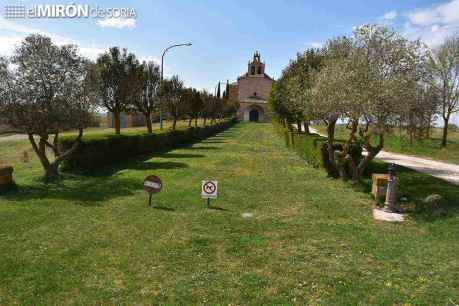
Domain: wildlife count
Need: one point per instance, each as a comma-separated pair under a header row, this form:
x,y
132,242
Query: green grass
x,y
429,148
92,240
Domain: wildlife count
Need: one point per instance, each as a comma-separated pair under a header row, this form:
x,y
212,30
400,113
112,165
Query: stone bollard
x,y
390,205
6,178
379,185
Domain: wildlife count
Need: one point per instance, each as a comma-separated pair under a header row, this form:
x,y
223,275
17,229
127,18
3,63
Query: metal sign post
x,y
209,190
152,184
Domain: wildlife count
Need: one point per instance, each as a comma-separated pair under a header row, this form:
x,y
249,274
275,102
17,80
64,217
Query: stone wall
x,y
258,85
245,107
234,92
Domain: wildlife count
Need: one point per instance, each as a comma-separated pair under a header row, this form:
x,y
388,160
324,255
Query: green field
x,y
312,240
399,143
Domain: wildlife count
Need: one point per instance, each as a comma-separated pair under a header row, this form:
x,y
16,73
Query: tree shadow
x,y
212,141
163,208
178,155
140,163
218,208
94,187
202,148
416,187
78,189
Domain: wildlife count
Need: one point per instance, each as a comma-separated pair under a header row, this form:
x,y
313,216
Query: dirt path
x,y
13,137
445,171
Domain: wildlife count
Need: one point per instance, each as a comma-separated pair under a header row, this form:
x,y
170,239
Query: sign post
x,y
152,184
209,190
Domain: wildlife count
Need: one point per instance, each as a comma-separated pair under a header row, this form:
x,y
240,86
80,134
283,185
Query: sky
x,y
225,33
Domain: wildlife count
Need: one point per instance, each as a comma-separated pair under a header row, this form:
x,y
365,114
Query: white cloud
x,y
433,24
390,15
8,43
92,52
118,23
12,34
445,13
314,44
150,59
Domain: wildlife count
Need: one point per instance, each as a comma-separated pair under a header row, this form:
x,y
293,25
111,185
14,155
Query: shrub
x,y
101,150
308,147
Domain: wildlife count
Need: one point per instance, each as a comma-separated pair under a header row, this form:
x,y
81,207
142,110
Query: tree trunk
x,y
149,124
174,124
52,171
40,150
189,122
299,126
306,127
117,116
444,139
331,165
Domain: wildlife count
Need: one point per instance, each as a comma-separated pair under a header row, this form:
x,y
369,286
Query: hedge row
x,y
307,146
102,150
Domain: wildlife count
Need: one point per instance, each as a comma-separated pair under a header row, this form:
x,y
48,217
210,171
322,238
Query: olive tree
x,y
364,83
291,95
444,66
116,71
172,96
144,91
45,90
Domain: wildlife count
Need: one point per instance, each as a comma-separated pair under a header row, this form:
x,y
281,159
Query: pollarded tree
x,y
444,66
46,92
365,87
172,96
146,97
116,71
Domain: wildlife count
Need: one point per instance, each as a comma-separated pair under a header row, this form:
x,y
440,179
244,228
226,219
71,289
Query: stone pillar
x,y
390,205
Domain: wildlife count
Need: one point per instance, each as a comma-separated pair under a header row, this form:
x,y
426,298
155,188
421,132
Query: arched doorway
x,y
254,115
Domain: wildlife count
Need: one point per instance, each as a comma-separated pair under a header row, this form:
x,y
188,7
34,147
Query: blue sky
x,y
226,33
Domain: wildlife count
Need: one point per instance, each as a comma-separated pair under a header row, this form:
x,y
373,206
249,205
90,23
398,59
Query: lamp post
x,y
161,80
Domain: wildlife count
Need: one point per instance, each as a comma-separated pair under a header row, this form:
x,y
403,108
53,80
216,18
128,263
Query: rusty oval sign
x,y
152,184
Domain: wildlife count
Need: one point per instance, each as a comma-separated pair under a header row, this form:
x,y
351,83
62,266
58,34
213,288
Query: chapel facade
x,y
252,90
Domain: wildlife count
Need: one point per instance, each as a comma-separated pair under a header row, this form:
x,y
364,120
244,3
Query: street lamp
x,y
161,80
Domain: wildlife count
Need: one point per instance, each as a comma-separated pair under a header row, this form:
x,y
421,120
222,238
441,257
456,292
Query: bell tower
x,y
256,67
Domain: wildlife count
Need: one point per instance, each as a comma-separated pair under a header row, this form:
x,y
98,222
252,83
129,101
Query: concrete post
x,y
390,205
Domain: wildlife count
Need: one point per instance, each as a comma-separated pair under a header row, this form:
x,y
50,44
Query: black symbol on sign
x,y
209,188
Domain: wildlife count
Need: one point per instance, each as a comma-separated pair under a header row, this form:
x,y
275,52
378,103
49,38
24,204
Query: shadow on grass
x,y
416,187
93,188
212,141
178,155
218,208
202,148
163,208
78,189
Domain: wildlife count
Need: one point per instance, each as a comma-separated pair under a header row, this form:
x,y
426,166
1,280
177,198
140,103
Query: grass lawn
x,y
312,240
429,148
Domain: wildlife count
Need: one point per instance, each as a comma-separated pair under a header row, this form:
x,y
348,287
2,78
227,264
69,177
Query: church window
x,y
259,70
253,70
